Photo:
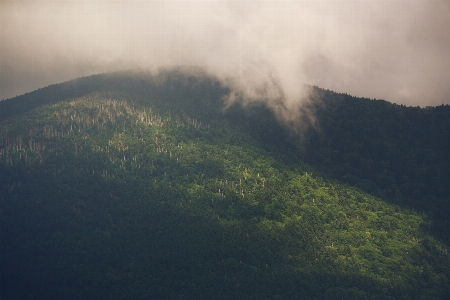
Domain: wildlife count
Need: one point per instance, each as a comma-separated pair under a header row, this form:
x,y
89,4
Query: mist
x,y
263,50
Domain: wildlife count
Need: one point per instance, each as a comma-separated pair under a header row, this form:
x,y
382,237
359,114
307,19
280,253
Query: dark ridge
x,y
187,89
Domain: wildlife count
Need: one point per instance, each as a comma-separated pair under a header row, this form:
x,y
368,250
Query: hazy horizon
x,y
392,50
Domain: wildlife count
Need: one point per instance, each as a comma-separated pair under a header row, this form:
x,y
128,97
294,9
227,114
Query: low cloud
x,y
392,50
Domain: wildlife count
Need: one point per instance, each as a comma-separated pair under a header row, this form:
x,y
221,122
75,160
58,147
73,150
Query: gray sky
x,y
393,50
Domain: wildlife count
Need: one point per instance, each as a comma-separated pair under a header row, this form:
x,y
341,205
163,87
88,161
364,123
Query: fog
x,y
393,50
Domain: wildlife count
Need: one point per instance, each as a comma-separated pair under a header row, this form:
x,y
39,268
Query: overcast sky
x,y
393,50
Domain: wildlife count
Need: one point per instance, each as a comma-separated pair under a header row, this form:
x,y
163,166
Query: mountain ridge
x,y
137,194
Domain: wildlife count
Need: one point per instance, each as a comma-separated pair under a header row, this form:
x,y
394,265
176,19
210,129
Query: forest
x,y
131,185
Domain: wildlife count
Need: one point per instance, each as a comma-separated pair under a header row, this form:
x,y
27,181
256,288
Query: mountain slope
x,y
392,151
128,190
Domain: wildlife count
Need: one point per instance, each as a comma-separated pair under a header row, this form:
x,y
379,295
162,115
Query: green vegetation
x,y
135,192
395,152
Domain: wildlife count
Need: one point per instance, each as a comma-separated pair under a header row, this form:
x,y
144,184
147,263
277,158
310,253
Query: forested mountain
x,y
136,186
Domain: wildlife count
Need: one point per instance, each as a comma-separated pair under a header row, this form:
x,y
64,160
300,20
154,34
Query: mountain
x,y
129,185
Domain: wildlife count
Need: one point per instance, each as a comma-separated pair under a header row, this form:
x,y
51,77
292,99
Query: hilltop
x,y
136,186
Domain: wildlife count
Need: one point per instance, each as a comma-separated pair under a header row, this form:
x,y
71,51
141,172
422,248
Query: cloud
x,y
393,50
